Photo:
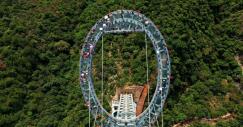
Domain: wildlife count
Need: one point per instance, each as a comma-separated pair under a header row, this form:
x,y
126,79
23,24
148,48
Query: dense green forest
x,y
40,43
124,64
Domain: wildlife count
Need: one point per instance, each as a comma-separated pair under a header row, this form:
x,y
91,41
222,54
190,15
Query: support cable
x,y
89,106
147,80
102,68
157,121
95,118
162,118
162,113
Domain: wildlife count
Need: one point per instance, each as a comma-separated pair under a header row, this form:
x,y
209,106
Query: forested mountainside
x,y
40,43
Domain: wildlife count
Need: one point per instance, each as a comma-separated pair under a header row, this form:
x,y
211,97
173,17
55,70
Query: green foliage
x,y
40,41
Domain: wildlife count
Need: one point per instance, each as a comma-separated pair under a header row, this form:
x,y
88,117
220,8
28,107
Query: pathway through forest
x,y
212,121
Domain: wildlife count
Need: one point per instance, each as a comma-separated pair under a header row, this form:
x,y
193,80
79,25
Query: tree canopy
x,y
40,41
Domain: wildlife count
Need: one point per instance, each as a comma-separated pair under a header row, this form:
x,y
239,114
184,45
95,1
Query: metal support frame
x,y
125,21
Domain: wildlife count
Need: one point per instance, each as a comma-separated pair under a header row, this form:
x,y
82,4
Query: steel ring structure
x,y
125,21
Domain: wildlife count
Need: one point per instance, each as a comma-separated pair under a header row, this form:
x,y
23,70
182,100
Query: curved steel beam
x,y
125,21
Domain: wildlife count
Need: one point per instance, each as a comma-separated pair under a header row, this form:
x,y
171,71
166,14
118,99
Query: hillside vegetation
x,y
40,41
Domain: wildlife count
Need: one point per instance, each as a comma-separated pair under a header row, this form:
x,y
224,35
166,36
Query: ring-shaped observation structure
x,y
125,21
